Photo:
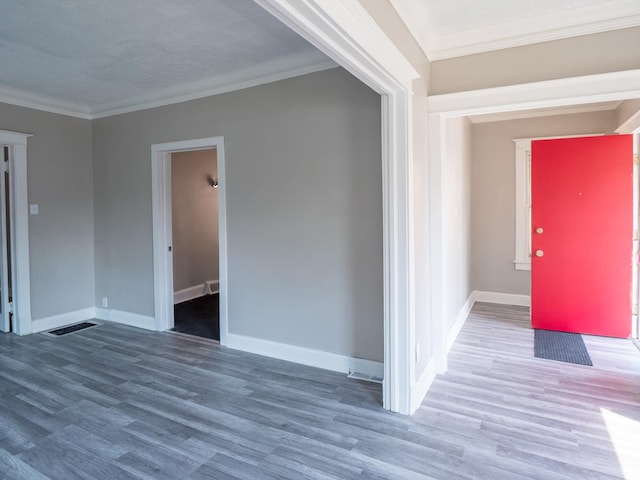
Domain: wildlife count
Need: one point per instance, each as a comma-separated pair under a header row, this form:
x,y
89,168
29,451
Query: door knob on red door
x,y
539,230
539,253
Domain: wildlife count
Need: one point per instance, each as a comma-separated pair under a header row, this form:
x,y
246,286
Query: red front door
x,y
581,222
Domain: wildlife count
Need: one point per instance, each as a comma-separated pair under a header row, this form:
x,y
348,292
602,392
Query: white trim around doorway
x,y
162,234
17,142
553,93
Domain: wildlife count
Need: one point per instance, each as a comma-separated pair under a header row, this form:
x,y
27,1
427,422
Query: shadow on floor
x,y
198,317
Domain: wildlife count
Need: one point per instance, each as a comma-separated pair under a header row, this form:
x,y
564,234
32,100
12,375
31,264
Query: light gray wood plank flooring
x,y
115,402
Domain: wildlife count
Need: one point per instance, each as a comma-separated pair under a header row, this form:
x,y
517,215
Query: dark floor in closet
x,y
198,317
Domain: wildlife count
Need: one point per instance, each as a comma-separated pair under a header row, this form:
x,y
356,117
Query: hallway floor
x,y
522,417
200,317
116,402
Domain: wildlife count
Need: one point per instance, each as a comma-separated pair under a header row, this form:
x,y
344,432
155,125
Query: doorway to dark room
x,y
195,232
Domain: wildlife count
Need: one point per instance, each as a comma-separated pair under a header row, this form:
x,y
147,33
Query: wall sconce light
x,y
213,182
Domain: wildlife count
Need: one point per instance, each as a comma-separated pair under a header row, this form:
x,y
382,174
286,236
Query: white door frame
x,y
553,93
632,126
162,228
7,258
346,32
19,221
635,288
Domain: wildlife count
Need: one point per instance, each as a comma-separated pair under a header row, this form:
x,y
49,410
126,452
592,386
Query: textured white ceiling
x,y
99,51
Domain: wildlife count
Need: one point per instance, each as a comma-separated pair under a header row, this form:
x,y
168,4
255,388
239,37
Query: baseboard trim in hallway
x,y
503,298
461,318
64,319
195,291
126,318
305,356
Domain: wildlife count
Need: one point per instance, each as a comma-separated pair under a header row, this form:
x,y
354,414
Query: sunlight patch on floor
x,y
624,433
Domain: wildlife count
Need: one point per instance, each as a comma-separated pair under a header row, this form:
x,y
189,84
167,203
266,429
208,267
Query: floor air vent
x,y
58,332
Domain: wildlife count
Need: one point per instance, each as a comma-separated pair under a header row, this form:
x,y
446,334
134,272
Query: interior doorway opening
x,y
163,252
196,266
498,100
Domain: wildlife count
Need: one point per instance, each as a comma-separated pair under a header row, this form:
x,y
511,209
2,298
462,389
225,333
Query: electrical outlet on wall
x,y
105,302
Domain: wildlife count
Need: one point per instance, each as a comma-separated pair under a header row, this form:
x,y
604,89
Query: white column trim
x,y
437,154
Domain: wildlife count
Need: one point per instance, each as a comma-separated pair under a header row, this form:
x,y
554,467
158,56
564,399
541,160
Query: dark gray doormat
x,y
561,346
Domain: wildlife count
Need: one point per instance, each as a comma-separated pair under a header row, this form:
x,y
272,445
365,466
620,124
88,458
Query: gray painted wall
x,y
493,192
457,218
304,208
194,218
611,51
60,181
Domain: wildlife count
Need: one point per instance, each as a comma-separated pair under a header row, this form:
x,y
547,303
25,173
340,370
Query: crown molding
x,y
612,15
267,72
488,39
44,103
261,74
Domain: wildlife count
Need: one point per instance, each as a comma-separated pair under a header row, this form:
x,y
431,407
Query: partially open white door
x,y
5,242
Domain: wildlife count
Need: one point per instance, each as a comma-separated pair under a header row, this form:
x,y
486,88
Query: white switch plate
x,y
105,302
33,209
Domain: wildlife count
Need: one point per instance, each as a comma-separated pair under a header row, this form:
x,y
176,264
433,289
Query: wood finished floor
x,y
116,402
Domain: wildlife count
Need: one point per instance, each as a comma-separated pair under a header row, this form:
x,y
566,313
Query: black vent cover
x,y
71,328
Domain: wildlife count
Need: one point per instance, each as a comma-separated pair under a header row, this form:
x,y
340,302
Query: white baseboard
x,y
126,318
305,356
503,298
461,318
62,320
187,294
420,388
196,291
